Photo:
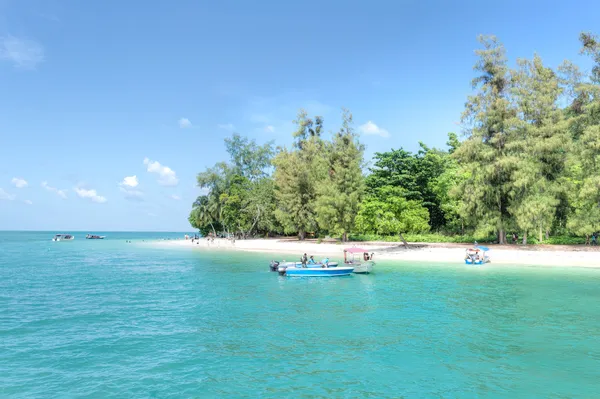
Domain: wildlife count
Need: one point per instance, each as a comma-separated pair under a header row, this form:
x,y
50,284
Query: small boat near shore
x,y
363,264
274,266
477,255
94,237
63,237
316,271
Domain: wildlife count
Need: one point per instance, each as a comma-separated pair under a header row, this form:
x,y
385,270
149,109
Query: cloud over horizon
x,y
6,196
19,182
130,181
167,176
61,193
23,53
89,194
184,123
372,129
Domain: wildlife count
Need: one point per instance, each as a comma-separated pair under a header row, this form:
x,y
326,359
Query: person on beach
x,y
595,238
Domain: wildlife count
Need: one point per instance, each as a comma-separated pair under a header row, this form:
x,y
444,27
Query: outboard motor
x,y
274,266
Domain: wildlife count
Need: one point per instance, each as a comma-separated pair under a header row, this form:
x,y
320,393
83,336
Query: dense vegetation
x,y
529,163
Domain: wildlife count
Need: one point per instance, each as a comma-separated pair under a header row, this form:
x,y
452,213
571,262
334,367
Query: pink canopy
x,y
355,250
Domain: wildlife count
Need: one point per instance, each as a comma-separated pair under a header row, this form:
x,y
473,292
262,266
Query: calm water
x,y
107,319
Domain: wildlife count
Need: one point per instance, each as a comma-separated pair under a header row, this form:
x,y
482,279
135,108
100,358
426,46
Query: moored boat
x,y
317,271
477,255
275,265
362,264
63,237
94,237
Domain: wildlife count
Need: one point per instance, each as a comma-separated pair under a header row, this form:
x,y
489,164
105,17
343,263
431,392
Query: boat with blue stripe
x,y
318,271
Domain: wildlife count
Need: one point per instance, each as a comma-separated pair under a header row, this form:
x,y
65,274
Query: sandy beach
x,y
539,255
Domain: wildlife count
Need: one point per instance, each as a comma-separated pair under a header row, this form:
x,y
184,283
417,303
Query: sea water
x,y
113,319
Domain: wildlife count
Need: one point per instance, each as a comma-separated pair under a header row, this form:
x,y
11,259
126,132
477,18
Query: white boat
x,y
363,264
63,237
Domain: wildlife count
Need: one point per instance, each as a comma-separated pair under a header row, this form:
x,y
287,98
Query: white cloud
x,y
61,193
19,183
370,128
270,129
175,197
23,53
184,123
28,202
6,196
130,181
168,177
226,126
151,214
90,194
132,195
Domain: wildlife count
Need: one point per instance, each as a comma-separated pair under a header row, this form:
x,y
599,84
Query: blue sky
x,y
94,92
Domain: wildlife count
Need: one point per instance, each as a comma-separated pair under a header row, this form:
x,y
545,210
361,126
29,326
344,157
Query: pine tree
x,y
297,176
340,193
543,142
486,157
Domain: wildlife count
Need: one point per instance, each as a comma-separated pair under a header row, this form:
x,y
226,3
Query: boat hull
x,y
318,271
363,267
476,262
275,266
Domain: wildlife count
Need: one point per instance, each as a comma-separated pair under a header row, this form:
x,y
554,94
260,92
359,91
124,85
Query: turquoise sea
x,y
110,319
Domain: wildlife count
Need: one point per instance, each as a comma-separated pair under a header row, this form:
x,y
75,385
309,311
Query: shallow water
x,y
108,319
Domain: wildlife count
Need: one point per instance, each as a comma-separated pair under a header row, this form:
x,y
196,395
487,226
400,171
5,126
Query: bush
x,y
464,239
429,238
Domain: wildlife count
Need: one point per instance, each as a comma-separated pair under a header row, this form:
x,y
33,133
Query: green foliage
x,y
529,163
389,212
425,238
341,190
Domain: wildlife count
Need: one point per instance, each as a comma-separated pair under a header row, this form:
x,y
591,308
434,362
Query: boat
x,y
63,237
316,271
362,264
275,265
477,255
94,237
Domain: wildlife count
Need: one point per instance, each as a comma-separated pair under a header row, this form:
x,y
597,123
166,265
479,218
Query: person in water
x,y
304,260
311,261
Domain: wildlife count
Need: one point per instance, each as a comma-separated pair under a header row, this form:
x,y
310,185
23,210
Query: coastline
x,y
539,255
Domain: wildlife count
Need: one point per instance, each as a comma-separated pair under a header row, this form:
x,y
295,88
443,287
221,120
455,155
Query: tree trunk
x,y
345,237
301,235
541,235
501,236
547,235
214,232
587,239
403,240
525,238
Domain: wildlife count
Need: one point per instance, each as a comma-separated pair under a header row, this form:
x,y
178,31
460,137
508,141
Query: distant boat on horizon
x,y
63,237
94,237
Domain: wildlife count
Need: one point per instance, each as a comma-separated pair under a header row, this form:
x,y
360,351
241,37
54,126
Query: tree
x,y
236,199
388,212
486,157
297,176
341,191
544,141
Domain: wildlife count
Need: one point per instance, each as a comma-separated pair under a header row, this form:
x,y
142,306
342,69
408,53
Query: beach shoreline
x,y
538,255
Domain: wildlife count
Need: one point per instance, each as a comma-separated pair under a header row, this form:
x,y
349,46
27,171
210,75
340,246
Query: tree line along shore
x,y
526,165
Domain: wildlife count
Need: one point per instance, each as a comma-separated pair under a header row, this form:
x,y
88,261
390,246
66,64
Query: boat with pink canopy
x,y
360,259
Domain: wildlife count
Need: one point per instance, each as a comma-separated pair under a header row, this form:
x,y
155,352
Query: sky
x,y
108,109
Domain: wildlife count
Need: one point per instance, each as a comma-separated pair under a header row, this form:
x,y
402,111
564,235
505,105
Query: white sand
x,y
516,255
